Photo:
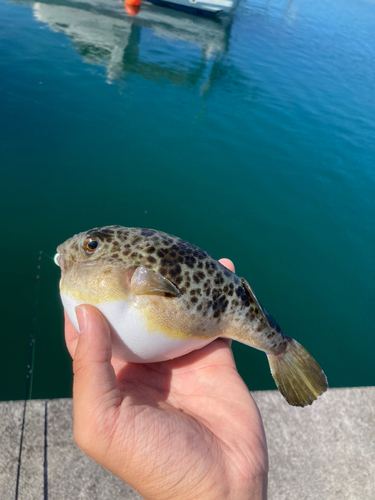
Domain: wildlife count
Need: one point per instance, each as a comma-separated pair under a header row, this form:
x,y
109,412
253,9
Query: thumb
x,y
96,395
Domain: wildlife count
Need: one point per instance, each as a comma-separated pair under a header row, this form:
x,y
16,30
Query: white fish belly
x,y
132,340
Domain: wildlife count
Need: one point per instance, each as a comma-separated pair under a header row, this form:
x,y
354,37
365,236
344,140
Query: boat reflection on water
x,y
104,34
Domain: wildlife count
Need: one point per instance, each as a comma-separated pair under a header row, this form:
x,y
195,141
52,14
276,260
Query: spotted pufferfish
x,y
164,297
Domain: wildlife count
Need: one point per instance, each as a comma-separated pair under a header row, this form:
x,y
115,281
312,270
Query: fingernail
x,y
81,313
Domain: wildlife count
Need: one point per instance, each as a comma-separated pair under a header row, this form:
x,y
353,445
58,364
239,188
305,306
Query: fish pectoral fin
x,y
148,281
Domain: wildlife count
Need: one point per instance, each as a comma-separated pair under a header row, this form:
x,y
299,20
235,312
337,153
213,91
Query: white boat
x,y
199,6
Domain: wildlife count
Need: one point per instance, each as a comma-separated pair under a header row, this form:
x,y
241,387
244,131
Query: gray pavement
x,y
323,452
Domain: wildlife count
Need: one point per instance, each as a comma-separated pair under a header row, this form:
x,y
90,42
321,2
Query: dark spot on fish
x,y
148,232
190,261
218,279
161,253
199,307
196,278
175,270
192,292
163,271
240,291
216,314
151,259
114,255
178,280
126,252
250,317
194,300
150,249
134,254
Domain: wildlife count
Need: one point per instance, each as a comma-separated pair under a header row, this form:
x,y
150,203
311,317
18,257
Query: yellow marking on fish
x,y
92,298
96,290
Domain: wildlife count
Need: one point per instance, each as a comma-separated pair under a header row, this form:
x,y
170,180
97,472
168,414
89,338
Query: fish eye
x,y
90,245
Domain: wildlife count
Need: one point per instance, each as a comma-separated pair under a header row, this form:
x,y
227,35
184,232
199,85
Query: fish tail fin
x,y
298,376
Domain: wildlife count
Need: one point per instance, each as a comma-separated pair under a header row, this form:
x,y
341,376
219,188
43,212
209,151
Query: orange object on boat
x,y
132,10
132,7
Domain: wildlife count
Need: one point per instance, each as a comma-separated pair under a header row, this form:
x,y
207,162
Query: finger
x,y
228,264
71,336
95,389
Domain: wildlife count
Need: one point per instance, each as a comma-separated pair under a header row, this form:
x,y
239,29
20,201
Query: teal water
x,y
252,137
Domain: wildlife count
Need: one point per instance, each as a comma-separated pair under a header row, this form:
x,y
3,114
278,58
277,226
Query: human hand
x,y
182,429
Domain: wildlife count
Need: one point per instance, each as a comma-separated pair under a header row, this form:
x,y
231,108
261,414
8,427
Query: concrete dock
x,y
323,452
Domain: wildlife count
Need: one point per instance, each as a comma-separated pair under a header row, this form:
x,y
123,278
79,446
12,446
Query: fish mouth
x,y
58,258
59,261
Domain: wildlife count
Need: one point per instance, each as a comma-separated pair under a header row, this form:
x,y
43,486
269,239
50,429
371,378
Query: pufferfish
x,y
164,297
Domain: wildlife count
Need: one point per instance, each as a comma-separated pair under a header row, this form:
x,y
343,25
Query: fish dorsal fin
x,y
148,281
250,295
